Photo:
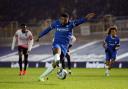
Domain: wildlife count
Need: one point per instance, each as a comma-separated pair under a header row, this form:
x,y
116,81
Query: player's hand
x,y
90,16
116,47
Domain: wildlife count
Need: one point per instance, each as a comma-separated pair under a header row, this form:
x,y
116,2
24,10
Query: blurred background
x,y
38,14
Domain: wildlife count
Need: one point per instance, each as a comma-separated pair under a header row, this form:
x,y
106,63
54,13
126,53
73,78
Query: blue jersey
x,y
63,33
112,42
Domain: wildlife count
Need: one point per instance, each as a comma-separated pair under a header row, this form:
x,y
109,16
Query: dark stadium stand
x,y
25,10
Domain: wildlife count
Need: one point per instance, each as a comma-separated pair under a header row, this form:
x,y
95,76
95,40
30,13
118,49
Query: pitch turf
x,y
80,79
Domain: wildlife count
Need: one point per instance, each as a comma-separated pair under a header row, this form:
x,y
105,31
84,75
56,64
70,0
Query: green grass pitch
x,y
81,78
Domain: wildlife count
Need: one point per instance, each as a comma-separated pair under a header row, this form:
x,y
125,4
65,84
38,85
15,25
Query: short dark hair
x,y
66,15
23,25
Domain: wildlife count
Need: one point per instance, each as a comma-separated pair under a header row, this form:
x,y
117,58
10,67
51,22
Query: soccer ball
x,y
62,74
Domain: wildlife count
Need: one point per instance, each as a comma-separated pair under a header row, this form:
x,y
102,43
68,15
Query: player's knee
x,y
25,60
113,60
26,56
56,51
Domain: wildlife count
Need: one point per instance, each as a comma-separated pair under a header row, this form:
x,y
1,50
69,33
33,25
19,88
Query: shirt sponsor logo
x,y
62,29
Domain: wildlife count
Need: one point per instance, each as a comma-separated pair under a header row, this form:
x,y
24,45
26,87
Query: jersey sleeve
x,y
118,41
47,30
16,34
15,37
30,41
106,39
105,42
117,45
78,21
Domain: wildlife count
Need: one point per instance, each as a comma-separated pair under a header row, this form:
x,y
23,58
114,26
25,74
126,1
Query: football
x,y
62,74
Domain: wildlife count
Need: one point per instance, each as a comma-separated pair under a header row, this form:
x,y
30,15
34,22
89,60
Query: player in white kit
x,y
24,39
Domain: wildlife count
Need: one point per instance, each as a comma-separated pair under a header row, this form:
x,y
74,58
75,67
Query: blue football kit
x,y
63,33
112,43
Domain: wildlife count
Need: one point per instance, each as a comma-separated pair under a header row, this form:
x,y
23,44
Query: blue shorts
x,y
63,47
110,55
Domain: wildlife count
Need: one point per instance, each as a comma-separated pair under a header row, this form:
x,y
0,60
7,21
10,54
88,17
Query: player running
x,y
62,58
25,41
111,45
63,32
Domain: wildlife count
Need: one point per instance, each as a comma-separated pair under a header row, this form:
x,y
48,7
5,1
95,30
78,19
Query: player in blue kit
x,y
111,45
63,32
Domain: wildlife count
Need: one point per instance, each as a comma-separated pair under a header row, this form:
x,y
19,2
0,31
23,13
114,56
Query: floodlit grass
x,y
81,78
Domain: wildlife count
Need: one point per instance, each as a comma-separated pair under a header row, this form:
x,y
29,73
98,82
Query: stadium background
x,y
38,14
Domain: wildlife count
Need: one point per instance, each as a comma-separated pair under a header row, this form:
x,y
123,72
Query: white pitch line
x,y
122,56
84,46
74,50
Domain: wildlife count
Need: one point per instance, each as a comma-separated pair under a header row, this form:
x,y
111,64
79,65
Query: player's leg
x,y
62,60
113,57
107,64
111,63
56,52
107,71
20,59
25,52
69,62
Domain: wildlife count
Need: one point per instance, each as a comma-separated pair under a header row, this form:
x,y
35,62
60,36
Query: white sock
x,y
57,57
50,69
47,72
106,67
107,70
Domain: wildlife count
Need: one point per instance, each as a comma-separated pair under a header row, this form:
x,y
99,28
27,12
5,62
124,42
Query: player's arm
x,y
47,30
84,19
90,16
105,43
30,41
117,45
15,37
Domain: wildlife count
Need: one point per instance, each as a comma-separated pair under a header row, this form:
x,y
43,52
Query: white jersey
x,y
72,40
24,40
